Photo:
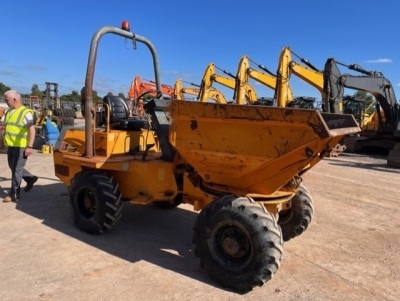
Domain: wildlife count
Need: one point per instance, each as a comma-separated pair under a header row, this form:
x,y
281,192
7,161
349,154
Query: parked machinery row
x,y
378,119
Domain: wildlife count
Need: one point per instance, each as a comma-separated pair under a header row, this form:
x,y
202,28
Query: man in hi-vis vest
x,y
19,136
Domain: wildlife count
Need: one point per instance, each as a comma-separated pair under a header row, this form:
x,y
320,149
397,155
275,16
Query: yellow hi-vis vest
x,y
16,132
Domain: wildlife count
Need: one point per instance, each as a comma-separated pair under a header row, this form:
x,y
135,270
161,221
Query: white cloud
x,y
380,60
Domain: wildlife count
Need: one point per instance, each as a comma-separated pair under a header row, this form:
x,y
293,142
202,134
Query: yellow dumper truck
x,y
239,165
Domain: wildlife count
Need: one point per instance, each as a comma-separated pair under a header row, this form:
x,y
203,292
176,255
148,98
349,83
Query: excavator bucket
x,y
254,149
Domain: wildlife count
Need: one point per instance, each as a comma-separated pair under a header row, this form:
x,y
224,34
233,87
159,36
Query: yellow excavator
x,y
245,73
241,166
308,73
279,82
180,91
363,108
315,77
266,78
244,93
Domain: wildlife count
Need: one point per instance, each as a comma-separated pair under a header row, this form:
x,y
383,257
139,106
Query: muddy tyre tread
x,y
261,229
295,222
106,209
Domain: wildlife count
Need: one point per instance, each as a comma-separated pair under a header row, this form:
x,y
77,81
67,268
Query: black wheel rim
x,y
231,246
285,216
86,202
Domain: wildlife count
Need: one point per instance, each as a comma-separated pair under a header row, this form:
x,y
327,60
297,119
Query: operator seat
x,y
119,115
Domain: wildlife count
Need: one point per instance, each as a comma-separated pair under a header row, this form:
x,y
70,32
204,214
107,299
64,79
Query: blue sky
x,y
49,40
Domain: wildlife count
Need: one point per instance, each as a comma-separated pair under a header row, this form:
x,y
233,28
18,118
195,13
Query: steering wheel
x,y
147,92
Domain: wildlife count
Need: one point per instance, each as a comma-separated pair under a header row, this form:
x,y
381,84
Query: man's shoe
x,y
30,182
10,198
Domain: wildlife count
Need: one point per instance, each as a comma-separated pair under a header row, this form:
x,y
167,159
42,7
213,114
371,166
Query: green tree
x,y
367,97
3,88
36,91
73,98
96,98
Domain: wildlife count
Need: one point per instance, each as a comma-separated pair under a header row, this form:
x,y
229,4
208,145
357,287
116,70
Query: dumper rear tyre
x,y
238,242
296,220
95,201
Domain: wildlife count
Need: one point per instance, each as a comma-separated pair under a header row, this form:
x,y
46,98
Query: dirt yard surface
x,y
350,251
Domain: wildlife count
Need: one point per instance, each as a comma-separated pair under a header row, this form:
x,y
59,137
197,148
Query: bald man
x,y
18,137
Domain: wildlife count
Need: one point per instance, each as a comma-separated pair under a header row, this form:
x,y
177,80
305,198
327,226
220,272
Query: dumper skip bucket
x,y
256,149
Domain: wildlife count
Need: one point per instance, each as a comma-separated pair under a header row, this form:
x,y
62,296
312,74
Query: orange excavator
x,y
138,87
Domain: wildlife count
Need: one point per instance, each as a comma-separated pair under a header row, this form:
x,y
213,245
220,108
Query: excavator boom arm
x,y
138,87
374,83
379,87
180,92
210,77
310,76
263,78
242,88
283,91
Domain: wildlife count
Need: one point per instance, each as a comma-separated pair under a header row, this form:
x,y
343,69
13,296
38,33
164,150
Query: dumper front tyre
x,y
238,242
95,202
296,220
